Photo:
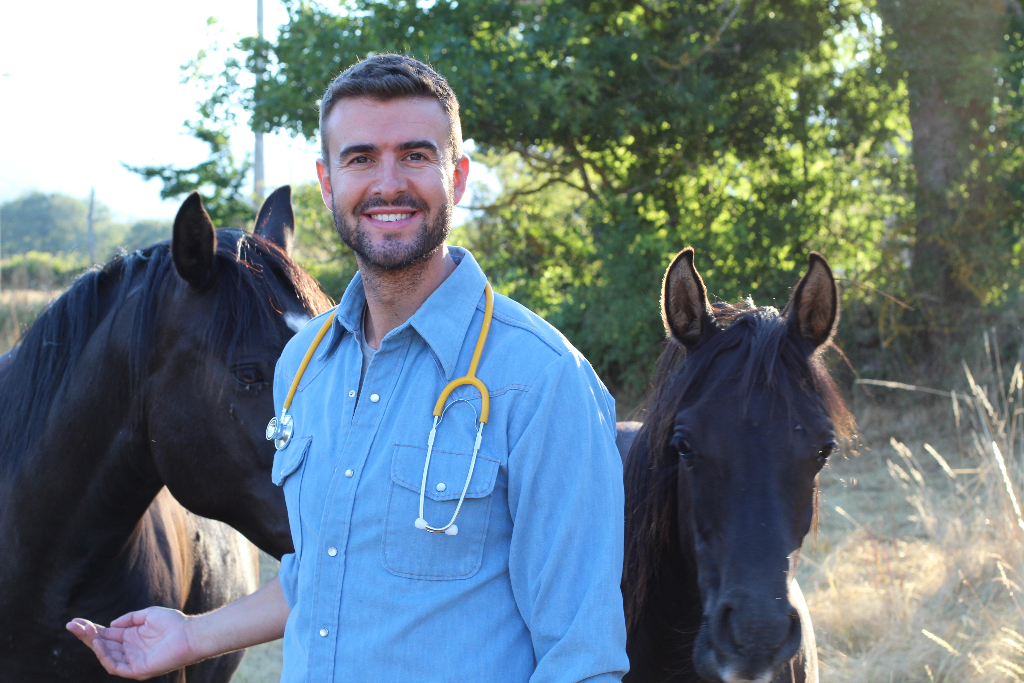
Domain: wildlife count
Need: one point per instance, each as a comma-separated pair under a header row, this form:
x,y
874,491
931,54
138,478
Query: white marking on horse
x,y
729,675
296,321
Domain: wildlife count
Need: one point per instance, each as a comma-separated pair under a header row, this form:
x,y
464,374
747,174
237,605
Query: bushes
x,y
40,271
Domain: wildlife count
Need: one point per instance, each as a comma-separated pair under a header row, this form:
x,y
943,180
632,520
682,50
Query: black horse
x,y
134,404
721,485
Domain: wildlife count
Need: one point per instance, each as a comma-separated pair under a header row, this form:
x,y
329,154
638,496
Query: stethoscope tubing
x,y
280,431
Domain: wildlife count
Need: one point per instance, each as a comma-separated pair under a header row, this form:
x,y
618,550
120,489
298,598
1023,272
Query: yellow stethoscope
x,y
280,431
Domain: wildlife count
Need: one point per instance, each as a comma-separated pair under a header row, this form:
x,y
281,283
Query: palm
x,y
138,645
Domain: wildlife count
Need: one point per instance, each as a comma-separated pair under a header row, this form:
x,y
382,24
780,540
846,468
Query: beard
x,y
392,252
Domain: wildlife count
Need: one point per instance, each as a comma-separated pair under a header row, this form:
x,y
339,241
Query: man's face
x,y
390,181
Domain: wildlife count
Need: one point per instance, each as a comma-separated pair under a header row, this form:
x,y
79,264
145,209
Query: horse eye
x,y
827,450
684,449
248,374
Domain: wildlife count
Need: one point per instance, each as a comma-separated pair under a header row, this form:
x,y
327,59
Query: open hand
x,y
140,644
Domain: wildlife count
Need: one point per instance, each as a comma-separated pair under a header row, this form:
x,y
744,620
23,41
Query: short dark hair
x,y
387,77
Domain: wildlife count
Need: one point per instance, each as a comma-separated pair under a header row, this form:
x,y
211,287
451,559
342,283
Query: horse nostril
x,y
724,632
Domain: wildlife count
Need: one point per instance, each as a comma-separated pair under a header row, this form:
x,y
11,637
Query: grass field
x,y
915,573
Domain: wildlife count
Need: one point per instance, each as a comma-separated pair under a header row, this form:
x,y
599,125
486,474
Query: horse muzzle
x,y
746,638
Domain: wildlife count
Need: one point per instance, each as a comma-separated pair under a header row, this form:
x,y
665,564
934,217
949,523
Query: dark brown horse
x,y
721,485
134,404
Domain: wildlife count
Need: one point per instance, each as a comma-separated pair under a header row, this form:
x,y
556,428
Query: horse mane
x,y
773,359
245,303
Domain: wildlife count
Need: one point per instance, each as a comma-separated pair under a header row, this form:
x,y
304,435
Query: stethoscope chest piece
x,y
280,431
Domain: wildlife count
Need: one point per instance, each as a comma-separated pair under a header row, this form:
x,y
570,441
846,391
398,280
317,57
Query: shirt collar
x,y
443,319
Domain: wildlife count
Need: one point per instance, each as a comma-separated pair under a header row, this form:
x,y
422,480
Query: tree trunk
x,y
947,49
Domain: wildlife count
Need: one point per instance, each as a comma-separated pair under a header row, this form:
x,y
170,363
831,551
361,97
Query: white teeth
x,y
391,217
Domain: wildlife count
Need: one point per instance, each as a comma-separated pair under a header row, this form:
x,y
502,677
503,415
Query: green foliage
x,y
532,239
41,271
622,132
220,179
143,233
57,223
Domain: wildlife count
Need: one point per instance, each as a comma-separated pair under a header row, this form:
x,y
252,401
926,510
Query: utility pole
x,y
92,235
257,176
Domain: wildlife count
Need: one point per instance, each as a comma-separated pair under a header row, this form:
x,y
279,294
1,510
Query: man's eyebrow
x,y
419,144
357,149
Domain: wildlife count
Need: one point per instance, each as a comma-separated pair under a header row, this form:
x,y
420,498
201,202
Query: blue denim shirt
x,y
528,590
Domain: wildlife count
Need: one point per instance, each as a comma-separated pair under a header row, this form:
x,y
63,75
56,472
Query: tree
x,y
751,130
948,50
56,223
220,179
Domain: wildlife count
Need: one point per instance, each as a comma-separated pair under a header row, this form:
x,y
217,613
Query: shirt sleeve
x,y
567,506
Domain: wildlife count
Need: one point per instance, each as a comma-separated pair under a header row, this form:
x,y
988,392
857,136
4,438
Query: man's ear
x,y
276,219
685,308
194,242
460,179
323,176
813,312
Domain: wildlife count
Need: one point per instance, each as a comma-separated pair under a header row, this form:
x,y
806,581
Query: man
x,y
524,585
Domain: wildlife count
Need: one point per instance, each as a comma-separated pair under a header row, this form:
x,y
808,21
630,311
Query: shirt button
x,y
374,398
323,632
351,393
349,473
332,551
441,487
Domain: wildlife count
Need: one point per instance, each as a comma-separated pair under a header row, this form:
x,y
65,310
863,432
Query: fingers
x,y
109,652
83,629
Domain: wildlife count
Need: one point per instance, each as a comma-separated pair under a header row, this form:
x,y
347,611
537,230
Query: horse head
x,y
721,481
208,391
752,429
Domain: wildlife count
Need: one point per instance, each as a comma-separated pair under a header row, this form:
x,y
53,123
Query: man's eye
x,y
361,160
416,156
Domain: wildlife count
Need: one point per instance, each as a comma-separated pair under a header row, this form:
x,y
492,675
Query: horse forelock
x,y
768,359
253,275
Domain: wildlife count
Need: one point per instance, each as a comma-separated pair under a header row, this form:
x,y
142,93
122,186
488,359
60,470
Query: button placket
x,y
364,426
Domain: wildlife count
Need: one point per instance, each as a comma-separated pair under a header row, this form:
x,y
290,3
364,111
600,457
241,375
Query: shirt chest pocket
x,y
287,472
417,553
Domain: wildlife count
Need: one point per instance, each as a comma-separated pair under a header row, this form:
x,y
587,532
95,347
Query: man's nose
x,y
390,180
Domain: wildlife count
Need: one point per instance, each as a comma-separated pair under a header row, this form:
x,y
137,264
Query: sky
x,y
87,86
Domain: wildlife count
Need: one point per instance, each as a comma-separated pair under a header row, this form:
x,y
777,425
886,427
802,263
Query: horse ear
x,y
276,220
194,242
813,312
685,308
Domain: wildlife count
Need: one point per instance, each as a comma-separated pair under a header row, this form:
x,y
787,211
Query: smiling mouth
x,y
391,217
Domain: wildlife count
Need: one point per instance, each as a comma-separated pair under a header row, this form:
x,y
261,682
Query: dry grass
x,y
262,664
916,573
18,308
